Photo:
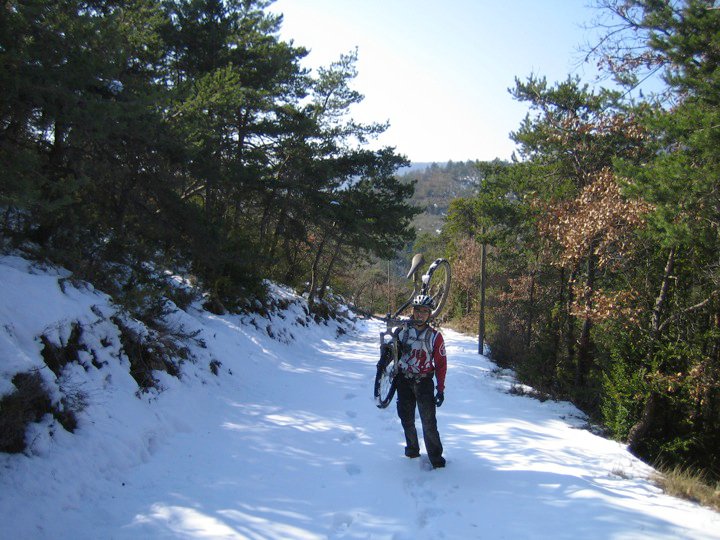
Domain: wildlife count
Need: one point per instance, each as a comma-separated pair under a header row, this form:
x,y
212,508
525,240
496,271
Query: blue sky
x,y
440,73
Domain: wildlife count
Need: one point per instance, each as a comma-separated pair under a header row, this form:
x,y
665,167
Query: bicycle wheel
x,y
436,284
385,378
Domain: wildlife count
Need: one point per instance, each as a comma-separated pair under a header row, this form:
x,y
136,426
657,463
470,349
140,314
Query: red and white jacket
x,y
426,353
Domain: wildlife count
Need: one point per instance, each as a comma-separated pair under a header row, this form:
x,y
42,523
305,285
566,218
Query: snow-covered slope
x,y
286,442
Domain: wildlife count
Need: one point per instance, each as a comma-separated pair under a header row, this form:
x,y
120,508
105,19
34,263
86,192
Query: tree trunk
x,y
557,328
481,317
662,296
279,230
584,356
641,427
648,416
530,312
268,204
715,351
57,150
208,168
314,273
584,359
570,338
709,406
291,252
328,272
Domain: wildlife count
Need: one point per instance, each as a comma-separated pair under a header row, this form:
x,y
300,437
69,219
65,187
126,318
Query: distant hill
x,y
414,167
437,185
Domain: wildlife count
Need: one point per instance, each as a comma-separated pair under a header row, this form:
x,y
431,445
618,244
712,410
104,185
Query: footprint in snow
x,y
418,490
341,522
352,469
426,516
347,438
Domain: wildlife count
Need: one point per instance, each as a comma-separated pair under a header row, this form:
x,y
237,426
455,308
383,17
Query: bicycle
x,y
435,282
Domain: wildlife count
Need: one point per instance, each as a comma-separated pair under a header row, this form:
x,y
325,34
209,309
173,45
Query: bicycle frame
x,y
395,320
417,260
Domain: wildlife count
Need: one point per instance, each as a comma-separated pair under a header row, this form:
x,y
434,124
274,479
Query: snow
x,y
285,442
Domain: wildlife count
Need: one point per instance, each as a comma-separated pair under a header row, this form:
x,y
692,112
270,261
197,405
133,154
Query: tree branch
x,y
688,310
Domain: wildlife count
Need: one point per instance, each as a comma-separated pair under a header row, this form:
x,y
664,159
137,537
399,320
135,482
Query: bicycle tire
x,y
385,378
436,284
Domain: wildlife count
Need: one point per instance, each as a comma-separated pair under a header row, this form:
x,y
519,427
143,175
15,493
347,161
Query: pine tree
x,y
680,361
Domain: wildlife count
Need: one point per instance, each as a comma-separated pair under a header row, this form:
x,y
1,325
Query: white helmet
x,y
423,300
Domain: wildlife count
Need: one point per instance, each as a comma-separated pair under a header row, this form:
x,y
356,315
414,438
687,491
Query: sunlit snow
x,y
285,442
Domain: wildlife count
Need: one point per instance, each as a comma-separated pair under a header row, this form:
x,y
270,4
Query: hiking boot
x,y
438,463
412,453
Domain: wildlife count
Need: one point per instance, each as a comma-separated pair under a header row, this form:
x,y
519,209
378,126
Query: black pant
x,y
420,393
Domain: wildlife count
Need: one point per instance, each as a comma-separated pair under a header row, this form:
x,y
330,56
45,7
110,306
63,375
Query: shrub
x,y
149,353
58,356
29,403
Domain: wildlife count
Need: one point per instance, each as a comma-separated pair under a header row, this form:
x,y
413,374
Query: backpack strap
x,y
403,335
429,338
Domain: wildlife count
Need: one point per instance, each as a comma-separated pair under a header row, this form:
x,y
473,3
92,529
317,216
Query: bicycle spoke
x,y
437,284
385,379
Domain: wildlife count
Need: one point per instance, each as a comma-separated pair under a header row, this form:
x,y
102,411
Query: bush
x,y
58,356
159,350
623,388
29,403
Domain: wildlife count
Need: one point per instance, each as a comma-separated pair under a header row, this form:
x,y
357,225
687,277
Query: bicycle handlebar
x,y
395,321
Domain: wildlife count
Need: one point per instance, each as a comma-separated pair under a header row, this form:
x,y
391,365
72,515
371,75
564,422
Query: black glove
x,y
439,398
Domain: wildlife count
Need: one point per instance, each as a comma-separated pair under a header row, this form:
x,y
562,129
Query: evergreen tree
x,y
185,133
86,104
485,219
573,137
678,391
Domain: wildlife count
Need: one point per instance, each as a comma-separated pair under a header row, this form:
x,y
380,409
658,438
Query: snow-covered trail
x,y
286,443
297,449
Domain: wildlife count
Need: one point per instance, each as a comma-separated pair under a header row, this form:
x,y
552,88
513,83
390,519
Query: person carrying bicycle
x,y
422,356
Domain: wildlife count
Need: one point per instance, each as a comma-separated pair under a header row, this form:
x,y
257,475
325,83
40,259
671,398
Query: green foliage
x,y
623,388
186,135
603,275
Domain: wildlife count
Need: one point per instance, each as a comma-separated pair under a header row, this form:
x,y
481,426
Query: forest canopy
x,y
185,135
602,236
